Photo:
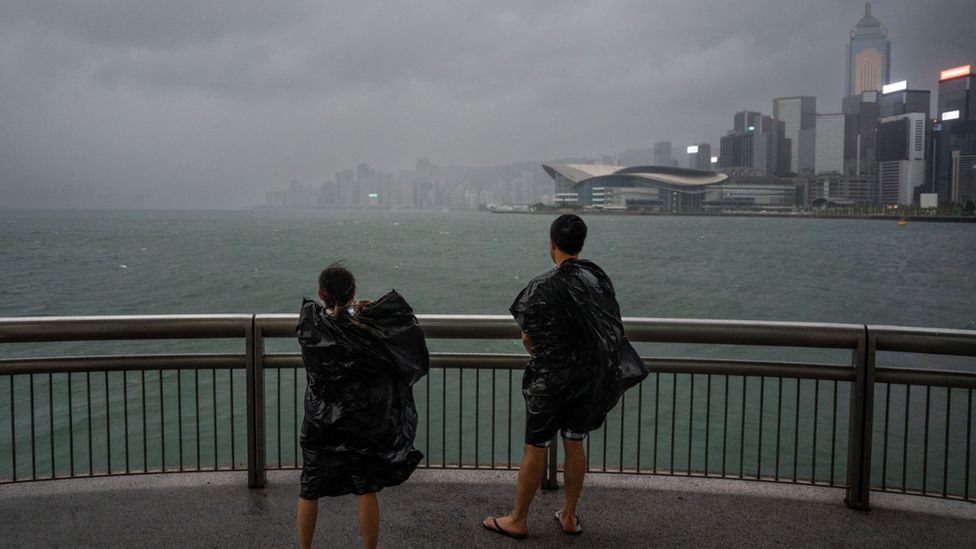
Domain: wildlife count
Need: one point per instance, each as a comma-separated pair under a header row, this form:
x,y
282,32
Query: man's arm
x,y
527,343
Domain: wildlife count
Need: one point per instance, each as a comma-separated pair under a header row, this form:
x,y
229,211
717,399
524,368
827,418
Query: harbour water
x,y
154,262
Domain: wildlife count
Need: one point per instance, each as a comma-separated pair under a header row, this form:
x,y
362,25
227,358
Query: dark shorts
x,y
544,418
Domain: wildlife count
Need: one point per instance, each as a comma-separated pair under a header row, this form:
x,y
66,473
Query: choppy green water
x,y
62,263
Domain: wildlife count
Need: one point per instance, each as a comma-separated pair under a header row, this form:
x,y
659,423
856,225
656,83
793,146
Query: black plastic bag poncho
x,y
581,361
360,417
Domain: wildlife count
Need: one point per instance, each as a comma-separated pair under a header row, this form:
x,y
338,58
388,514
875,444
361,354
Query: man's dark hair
x,y
338,285
568,232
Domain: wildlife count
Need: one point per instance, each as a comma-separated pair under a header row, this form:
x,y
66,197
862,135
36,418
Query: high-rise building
x,y
861,115
798,113
901,144
662,154
757,142
746,121
868,55
957,94
700,156
898,99
829,144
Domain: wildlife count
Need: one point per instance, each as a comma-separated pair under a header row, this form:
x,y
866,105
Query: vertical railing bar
x,y
640,422
884,447
477,416
725,423
759,450
460,418
925,443
213,388
278,412
691,417
796,431
108,428
50,414
510,420
233,444
91,465
294,411
904,450
179,413
623,408
605,429
125,415
13,433
945,465
969,426
427,417
860,434
708,417
257,450
145,435
33,438
833,436
674,407
444,418
657,413
162,425
494,374
742,431
816,423
196,411
779,422
71,430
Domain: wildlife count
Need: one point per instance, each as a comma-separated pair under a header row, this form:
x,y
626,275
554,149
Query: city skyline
x,y
128,118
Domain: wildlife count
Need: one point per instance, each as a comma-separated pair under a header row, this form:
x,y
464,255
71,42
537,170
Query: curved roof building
x,y
660,187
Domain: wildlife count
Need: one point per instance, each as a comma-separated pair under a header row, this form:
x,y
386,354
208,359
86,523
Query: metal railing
x,y
848,423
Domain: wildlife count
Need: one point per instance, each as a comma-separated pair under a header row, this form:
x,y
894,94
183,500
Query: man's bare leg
x,y
307,514
574,469
529,478
368,516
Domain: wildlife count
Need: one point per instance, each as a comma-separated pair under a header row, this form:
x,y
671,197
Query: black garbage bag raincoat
x,y
581,361
360,417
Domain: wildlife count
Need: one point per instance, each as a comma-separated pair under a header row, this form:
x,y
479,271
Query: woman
x,y
361,360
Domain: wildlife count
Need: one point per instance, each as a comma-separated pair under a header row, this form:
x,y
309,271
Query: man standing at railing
x,y
581,364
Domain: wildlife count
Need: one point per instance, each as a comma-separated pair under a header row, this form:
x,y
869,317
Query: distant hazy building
x,y
957,94
868,55
834,189
756,141
898,99
954,142
902,154
662,154
636,157
798,113
699,156
653,188
829,144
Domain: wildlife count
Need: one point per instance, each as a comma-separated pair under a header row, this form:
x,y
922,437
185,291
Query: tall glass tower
x,y
868,55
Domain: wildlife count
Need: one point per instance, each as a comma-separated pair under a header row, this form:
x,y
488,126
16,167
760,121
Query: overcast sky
x,y
201,103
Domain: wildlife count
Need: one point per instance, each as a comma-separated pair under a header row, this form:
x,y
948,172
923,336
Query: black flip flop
x,y
499,530
579,526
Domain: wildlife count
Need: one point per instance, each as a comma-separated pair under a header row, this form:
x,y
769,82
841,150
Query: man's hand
x,y
527,343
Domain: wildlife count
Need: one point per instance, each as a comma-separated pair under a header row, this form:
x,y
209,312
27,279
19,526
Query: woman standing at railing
x,y
362,360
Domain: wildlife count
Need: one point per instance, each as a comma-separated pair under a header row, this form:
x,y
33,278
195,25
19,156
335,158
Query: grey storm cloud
x,y
188,103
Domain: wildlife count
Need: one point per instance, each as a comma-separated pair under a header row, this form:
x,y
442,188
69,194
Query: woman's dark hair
x,y
568,232
338,285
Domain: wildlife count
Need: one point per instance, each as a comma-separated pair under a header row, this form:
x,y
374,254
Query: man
x,y
581,363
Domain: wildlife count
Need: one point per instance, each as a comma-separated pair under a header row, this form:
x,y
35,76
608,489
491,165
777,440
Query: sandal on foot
x,y
499,530
576,532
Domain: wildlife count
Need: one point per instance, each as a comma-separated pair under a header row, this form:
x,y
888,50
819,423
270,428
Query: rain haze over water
x,y
209,105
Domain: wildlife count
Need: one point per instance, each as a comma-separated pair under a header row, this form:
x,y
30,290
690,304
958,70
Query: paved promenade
x,y
445,508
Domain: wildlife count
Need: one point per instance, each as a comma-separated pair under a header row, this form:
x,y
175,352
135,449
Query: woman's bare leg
x,y
308,512
368,515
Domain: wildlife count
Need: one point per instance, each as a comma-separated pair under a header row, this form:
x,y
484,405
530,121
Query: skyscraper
x,y
868,55
700,156
755,142
901,142
898,99
957,94
861,114
662,154
829,144
798,113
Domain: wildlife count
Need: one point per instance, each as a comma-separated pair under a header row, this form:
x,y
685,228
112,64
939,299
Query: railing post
x,y
254,356
861,430
549,480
